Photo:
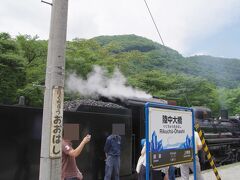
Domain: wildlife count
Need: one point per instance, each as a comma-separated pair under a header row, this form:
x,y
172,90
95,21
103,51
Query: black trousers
x,y
154,175
142,173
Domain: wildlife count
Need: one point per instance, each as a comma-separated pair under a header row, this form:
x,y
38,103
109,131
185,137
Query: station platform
x,y
227,172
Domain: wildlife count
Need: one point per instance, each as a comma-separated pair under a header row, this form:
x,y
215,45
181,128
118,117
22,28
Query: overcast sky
x,y
189,26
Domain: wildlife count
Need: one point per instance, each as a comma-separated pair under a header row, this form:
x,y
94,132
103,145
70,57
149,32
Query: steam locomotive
x,y
222,136
21,128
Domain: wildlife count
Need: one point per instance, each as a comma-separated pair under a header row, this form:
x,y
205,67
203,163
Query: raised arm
x,y
76,152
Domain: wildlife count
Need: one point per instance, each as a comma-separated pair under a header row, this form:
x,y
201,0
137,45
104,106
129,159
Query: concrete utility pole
x,y
51,149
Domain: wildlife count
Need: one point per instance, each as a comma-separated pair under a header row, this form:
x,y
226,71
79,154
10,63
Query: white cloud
x,y
180,22
25,17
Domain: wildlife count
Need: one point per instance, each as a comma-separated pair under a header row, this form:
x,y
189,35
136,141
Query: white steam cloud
x,y
98,83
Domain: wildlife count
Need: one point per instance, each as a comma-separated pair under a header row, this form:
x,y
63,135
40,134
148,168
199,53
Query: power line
x,y
46,2
186,98
154,23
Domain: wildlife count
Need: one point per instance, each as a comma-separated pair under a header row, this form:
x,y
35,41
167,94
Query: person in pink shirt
x,y
70,170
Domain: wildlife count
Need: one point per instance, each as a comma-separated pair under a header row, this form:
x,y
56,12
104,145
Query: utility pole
x,y
52,126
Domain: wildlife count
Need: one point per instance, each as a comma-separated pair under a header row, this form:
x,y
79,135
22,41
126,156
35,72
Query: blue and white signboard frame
x,y
169,131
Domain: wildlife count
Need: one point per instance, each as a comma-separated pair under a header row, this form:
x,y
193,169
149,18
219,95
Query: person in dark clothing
x,y
112,151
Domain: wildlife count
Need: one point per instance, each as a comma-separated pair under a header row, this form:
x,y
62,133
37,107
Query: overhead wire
x,y
154,23
158,32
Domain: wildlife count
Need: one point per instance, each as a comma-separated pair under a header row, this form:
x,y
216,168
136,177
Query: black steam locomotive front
x,y
222,136
21,129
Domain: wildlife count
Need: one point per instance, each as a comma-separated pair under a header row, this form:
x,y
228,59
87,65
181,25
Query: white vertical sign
x,y
56,122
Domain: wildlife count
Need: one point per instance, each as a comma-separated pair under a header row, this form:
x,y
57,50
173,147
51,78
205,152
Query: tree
x,y
12,77
31,48
230,100
187,91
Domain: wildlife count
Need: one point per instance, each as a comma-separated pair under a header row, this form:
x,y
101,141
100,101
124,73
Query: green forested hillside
x,y
221,71
158,70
